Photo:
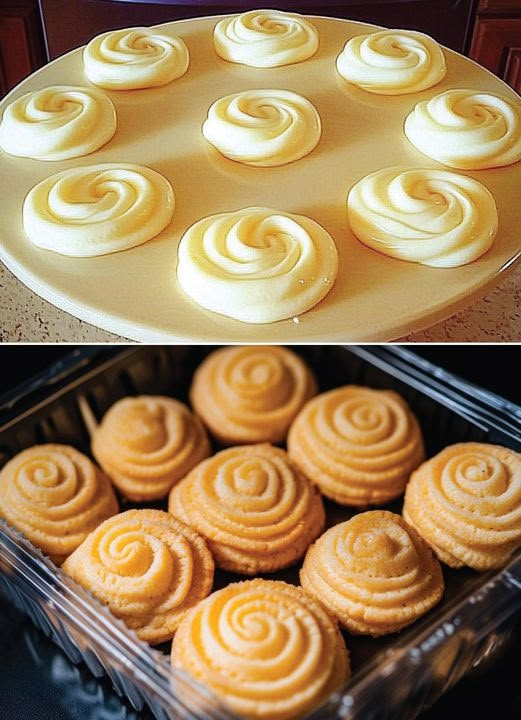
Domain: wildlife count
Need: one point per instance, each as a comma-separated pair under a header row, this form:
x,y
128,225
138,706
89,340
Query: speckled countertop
x,y
25,317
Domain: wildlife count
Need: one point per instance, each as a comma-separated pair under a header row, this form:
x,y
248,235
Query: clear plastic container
x,y
394,677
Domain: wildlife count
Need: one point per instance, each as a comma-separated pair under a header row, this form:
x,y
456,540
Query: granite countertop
x,y
25,317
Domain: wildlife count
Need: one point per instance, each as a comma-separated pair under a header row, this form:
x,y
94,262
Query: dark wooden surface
x,y
496,40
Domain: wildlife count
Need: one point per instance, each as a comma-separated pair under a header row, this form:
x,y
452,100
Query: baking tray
x,y
394,677
135,293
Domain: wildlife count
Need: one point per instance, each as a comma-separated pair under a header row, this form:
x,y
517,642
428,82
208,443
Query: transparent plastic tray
x,y
394,677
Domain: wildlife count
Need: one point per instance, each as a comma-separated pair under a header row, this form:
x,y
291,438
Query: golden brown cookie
x,y
256,510
146,444
374,573
358,445
147,567
251,394
265,648
466,503
55,495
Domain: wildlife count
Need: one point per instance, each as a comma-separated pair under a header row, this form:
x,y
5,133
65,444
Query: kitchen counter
x,y
25,317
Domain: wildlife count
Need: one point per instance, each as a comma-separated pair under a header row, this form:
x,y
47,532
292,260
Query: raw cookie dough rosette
x,y
433,217
358,445
466,129
135,58
263,128
466,503
257,265
256,511
251,394
374,573
265,648
147,567
57,123
56,496
146,444
97,209
265,38
392,62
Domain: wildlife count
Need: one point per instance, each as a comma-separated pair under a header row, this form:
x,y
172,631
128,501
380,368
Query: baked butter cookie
x,y
146,444
147,567
256,510
265,648
374,573
55,495
251,394
359,446
466,503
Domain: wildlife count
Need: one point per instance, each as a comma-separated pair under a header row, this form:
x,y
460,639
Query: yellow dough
x,y
374,573
251,394
55,496
358,445
466,503
392,62
135,58
57,123
147,567
257,265
433,217
147,443
257,512
97,209
265,38
265,648
263,128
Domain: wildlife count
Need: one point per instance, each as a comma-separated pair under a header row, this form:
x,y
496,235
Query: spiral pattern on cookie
x,y
358,445
251,394
466,503
135,58
147,567
148,443
57,123
466,129
97,209
257,512
374,573
433,217
265,648
257,265
392,62
55,495
263,128
265,38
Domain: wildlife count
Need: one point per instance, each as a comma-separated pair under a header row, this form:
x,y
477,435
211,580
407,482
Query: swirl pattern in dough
x,y
135,58
266,648
392,62
257,265
57,123
263,128
146,444
427,216
466,129
256,511
97,209
265,38
56,496
374,573
466,503
358,445
251,394
147,567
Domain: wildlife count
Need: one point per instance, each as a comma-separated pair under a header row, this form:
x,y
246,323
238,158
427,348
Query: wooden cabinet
x,y
22,46
496,42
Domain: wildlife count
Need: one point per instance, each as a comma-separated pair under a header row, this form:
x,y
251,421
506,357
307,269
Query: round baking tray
x,y
135,293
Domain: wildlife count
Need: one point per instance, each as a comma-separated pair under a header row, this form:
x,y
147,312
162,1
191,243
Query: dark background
x,y
37,682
